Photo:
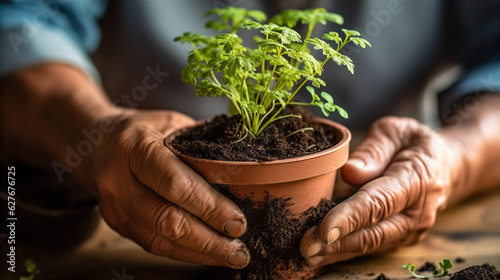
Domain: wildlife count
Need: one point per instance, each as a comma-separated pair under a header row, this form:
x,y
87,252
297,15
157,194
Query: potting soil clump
x,y
477,272
223,138
272,237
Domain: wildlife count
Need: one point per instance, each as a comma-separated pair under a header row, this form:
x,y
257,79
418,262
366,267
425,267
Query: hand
x,y
406,172
148,195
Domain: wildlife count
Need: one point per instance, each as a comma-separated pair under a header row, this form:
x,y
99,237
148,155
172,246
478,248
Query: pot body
x,y
306,180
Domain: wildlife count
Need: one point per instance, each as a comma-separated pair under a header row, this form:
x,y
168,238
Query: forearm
x,y
47,108
477,135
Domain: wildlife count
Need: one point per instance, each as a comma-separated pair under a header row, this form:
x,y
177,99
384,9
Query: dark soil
x,y
273,237
286,138
428,266
381,277
476,272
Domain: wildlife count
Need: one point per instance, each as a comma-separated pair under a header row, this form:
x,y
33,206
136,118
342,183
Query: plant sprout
x,y
445,266
260,82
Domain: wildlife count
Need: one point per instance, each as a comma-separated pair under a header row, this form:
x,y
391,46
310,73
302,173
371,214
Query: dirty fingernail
x,y
237,259
314,249
234,228
333,235
357,163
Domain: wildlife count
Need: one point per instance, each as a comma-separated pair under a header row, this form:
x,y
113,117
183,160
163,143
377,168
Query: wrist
x,y
47,108
475,142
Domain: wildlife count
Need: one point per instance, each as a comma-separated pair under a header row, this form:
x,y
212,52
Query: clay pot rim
x,y
344,131
270,172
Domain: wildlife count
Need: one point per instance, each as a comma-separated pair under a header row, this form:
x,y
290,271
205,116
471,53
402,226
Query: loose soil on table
x,y
476,272
291,137
381,277
273,237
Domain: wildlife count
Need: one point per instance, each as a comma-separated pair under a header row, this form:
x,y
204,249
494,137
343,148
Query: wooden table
x,y
470,231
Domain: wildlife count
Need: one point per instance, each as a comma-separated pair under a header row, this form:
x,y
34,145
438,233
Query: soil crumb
x,y
477,272
273,238
381,277
223,138
428,266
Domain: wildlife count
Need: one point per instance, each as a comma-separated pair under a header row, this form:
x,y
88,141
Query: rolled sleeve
x,y
48,45
481,80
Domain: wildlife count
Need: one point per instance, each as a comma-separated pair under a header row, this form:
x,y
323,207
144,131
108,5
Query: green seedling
x,y
445,265
261,81
31,270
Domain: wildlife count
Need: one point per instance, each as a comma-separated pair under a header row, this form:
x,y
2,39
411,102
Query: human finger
x,y
381,237
374,202
158,168
171,223
384,139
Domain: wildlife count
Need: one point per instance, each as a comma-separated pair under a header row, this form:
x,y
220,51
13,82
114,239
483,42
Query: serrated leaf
x,y
333,36
208,89
251,25
188,76
351,32
360,42
322,45
217,25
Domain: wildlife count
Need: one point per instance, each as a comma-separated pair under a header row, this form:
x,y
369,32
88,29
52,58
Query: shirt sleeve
x,y
34,32
477,36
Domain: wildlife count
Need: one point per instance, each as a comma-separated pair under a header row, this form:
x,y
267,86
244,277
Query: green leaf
x,y
327,97
333,36
257,15
30,266
360,42
351,32
342,112
188,76
445,265
344,60
322,45
217,25
289,18
208,89
229,42
253,107
314,96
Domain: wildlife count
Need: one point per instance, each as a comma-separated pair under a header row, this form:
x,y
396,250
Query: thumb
x,y
371,158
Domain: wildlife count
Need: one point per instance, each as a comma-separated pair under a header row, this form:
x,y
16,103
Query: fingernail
x,y
333,235
237,259
357,162
234,228
314,249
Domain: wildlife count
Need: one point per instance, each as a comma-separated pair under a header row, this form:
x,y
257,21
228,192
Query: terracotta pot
x,y
306,180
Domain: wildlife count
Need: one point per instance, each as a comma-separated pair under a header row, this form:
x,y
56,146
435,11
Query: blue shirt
x,y
409,39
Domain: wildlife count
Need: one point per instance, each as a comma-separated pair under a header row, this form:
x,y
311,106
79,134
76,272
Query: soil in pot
x,y
273,238
286,138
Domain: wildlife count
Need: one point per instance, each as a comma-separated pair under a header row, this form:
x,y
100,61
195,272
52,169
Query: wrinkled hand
x,y
406,172
148,195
